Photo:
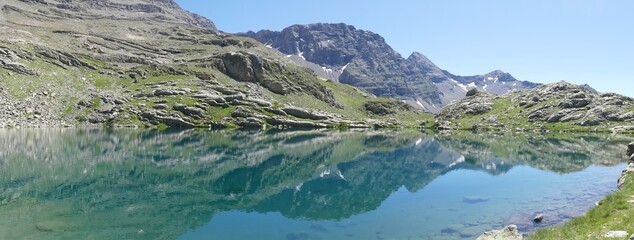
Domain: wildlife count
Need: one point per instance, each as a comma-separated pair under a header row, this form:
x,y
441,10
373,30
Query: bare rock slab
x,y
508,233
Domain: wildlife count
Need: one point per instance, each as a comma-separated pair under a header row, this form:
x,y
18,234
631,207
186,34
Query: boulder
x,y
508,233
590,122
224,90
292,123
575,103
231,98
275,111
249,122
161,106
239,66
630,149
240,112
471,92
304,114
556,117
383,108
537,115
167,120
260,102
616,234
167,92
276,87
190,111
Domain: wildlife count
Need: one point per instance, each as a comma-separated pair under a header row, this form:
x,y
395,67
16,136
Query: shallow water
x,y
134,184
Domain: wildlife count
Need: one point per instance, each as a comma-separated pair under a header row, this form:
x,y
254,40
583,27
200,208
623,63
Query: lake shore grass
x,y
614,213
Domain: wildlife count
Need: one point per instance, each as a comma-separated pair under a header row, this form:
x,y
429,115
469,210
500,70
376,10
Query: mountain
x,y
555,106
151,63
355,57
363,59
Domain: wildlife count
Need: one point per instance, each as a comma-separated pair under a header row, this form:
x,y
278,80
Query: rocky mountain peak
x,y
418,57
425,65
327,44
421,60
500,76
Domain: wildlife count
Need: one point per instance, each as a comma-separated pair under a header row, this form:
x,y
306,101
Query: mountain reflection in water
x,y
136,184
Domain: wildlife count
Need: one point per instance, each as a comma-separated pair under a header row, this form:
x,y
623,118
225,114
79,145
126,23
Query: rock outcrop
x,y
508,233
630,166
549,104
476,102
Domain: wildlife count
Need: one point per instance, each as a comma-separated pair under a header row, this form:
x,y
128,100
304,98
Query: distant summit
x,y
343,53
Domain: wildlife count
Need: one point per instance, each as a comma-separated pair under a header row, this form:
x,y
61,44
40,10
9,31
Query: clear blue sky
x,y
580,41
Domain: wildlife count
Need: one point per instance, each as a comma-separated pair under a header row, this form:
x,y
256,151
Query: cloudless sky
x,y
579,41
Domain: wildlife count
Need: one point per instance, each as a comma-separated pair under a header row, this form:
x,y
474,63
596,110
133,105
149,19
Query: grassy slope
x,y
72,84
614,213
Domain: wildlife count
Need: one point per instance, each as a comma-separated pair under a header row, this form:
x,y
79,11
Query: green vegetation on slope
x,y
114,71
552,107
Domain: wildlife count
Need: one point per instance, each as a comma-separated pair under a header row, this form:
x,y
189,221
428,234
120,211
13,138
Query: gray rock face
x,y
63,59
8,58
247,67
16,67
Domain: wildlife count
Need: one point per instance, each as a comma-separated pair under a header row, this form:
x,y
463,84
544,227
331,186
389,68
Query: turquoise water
x,y
134,184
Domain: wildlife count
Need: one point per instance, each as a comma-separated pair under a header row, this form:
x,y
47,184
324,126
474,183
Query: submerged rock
x,y
508,233
297,236
475,199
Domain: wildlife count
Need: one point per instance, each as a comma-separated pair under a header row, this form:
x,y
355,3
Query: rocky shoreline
x,y
630,166
511,233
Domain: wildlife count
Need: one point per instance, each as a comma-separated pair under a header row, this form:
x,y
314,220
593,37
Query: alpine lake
x,y
296,185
